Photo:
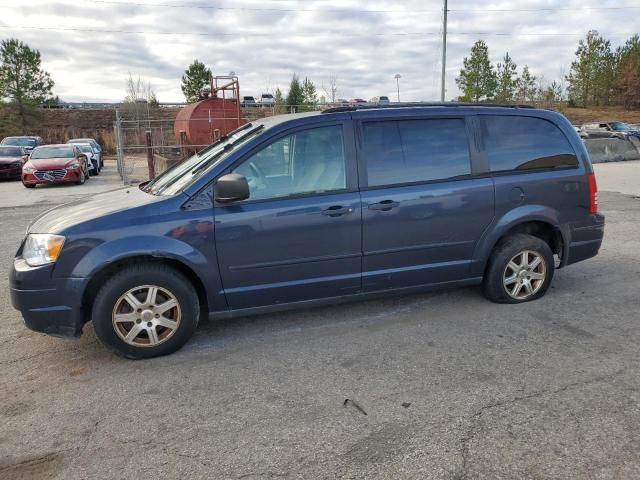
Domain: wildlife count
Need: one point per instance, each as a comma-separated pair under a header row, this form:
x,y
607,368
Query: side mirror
x,y
231,188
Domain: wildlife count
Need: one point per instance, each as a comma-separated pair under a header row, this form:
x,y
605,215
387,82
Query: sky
x,y
91,46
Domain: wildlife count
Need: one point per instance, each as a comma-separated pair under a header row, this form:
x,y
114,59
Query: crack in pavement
x,y
472,432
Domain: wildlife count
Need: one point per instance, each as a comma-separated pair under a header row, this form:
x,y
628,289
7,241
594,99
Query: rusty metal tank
x,y
201,123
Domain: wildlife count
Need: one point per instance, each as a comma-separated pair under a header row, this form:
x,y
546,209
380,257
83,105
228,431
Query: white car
x,y
267,100
96,146
92,155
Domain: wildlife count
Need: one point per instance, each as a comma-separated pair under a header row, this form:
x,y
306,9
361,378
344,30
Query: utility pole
x,y
444,52
397,76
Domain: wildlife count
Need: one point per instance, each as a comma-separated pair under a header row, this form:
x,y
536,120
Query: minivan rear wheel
x,y
520,270
146,311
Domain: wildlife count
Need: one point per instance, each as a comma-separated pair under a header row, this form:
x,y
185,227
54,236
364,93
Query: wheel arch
x,y
99,277
543,224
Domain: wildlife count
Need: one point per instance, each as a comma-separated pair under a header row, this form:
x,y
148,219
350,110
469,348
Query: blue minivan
x,y
306,209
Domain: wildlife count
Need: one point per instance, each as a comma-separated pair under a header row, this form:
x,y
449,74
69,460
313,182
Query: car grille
x,y
56,174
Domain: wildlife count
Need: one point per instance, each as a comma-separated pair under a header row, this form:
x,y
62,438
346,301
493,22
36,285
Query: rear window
x,y
526,143
409,151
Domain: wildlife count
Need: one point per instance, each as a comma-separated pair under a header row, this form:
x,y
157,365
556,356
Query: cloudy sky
x,y
90,46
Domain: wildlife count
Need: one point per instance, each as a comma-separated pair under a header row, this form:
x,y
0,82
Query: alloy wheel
x,y
524,275
146,316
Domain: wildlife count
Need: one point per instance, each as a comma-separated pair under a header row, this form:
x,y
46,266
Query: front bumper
x,y
49,305
586,239
71,176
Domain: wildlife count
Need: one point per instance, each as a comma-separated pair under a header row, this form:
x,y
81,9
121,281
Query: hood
x,y
59,219
50,163
6,160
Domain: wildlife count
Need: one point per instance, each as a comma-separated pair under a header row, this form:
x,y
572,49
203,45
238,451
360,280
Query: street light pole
x,y
397,76
444,52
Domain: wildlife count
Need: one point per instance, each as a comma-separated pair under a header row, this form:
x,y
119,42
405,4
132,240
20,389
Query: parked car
x,y
267,100
63,163
357,101
248,101
581,133
609,130
381,100
428,197
94,144
11,161
93,157
26,142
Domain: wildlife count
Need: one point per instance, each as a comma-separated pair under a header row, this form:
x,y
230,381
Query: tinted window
x,y
10,152
310,161
408,151
526,143
19,141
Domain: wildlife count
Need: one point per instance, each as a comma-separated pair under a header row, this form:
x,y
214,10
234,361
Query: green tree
x,y
477,78
22,79
295,97
526,86
278,102
627,83
507,80
592,72
309,95
194,80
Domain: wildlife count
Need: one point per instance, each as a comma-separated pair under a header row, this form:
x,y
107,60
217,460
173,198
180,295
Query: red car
x,y
11,161
63,163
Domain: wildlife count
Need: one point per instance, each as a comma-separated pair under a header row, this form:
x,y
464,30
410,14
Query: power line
x,y
343,10
306,34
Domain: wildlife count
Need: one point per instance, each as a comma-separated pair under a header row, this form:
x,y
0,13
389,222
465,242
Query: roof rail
x,y
370,106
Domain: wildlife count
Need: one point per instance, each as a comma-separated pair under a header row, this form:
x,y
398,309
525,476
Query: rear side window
x,y
526,143
408,151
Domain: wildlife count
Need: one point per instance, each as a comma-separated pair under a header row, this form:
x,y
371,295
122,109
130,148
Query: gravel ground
x,y
442,385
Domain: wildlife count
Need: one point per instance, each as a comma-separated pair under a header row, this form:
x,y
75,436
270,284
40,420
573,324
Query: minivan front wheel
x,y
520,269
145,311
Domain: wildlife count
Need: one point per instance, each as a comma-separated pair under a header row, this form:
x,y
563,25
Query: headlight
x,y
73,165
28,168
42,248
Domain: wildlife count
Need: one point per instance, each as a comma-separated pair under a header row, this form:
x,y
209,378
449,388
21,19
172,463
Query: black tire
x,y
508,248
83,178
29,186
138,275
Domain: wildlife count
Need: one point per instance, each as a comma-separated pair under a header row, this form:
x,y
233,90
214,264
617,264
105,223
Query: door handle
x,y
384,205
336,211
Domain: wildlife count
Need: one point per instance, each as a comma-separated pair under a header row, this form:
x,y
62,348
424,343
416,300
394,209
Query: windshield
x,y
620,126
189,171
10,152
19,141
85,148
52,152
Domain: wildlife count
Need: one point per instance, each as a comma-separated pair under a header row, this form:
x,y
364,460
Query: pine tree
x,y
295,97
22,79
477,78
278,102
526,86
309,94
194,80
507,80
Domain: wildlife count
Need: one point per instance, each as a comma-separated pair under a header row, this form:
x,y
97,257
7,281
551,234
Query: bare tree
x,y
139,98
331,89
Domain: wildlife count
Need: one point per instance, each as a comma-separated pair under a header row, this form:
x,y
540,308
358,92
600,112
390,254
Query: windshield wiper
x,y
229,146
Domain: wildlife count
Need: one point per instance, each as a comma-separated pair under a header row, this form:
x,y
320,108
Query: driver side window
x,y
309,161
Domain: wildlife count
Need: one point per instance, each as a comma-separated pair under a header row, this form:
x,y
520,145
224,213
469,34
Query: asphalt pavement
x,y
441,385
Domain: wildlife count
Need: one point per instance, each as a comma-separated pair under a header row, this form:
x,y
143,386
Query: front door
x,y
423,209
298,236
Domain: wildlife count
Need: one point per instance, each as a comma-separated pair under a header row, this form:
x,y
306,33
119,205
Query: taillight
x,y
593,194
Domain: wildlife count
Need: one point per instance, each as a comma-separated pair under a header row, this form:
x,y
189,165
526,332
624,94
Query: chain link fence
x,y
146,143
